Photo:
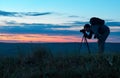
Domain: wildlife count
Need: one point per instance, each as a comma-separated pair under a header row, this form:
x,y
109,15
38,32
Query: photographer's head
x,y
87,27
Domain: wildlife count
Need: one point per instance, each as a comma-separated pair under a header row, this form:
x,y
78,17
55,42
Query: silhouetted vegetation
x,y
42,64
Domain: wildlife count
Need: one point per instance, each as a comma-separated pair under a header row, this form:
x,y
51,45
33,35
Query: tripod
x,y
84,39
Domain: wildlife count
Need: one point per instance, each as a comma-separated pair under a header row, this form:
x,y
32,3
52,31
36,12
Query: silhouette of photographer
x,y
100,31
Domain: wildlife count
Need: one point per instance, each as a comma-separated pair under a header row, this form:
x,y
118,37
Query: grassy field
x,y
42,64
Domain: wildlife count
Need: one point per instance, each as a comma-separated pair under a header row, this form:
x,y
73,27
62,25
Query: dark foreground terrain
x,y
58,60
42,64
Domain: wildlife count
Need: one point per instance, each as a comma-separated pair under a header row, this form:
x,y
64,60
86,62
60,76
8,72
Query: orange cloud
x,y
38,38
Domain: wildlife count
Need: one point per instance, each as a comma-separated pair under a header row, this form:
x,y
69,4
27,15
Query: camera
x,y
82,30
86,27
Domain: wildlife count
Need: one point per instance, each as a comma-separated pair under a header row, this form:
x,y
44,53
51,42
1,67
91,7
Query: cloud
x,y
113,23
37,28
10,22
81,23
21,14
37,13
114,28
78,23
4,13
73,16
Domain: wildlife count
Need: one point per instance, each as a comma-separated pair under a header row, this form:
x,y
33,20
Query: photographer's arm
x,y
95,31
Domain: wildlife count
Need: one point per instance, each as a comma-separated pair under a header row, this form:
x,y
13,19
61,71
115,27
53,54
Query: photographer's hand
x,y
88,35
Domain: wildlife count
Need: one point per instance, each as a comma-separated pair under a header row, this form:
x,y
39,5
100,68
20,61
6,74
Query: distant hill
x,y
11,49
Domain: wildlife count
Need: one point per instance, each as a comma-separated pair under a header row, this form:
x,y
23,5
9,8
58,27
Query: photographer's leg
x,y
101,42
101,46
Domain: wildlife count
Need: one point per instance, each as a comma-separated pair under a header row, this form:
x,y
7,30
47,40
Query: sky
x,y
55,20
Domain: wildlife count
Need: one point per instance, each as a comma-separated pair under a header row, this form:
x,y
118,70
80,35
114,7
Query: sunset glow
x,y
15,38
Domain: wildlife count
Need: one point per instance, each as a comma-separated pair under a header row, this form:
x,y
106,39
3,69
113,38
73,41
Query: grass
x,y
42,64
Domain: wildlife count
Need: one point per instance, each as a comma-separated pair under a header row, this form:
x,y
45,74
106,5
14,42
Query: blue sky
x,y
57,17
102,8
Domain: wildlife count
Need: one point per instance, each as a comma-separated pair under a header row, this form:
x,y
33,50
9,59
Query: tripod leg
x,y
87,46
81,42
